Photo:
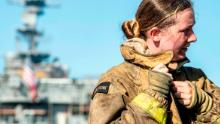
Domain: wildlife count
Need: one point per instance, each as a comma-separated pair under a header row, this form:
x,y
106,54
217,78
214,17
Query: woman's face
x,y
179,36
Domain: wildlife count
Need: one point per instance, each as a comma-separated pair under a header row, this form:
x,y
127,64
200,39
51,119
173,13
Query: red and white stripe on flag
x,y
29,79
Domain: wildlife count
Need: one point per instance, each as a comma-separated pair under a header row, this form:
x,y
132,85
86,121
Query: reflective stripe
x,y
151,106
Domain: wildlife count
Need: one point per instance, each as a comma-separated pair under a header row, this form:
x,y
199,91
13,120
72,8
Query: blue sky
x,y
86,35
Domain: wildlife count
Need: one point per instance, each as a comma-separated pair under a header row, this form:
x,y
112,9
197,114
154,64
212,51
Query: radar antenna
x,y
33,10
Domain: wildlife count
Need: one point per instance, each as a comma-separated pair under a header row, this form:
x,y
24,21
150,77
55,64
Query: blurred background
x,y
85,37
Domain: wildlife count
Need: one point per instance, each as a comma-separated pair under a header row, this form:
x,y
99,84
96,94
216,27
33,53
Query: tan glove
x,y
159,86
163,69
154,100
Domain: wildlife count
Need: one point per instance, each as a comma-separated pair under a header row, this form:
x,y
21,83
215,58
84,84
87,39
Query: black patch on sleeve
x,y
101,88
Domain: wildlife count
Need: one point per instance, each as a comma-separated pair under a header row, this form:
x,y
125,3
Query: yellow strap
x,y
151,106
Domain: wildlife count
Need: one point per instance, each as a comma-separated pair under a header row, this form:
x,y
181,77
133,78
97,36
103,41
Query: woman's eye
x,y
186,31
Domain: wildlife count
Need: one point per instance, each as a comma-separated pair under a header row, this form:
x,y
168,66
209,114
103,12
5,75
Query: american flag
x,y
30,81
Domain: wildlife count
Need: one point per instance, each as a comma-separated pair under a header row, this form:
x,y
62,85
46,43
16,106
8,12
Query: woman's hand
x,y
182,91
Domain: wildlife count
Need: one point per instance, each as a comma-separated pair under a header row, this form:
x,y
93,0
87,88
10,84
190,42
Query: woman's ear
x,y
154,34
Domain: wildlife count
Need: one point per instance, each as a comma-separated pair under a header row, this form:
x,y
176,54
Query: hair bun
x,y
131,28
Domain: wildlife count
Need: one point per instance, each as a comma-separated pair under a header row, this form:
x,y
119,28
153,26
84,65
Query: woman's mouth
x,y
185,48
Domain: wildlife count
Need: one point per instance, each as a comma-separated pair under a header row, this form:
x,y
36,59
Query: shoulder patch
x,y
101,88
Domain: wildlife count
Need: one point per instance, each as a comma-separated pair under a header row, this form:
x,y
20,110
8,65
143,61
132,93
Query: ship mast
x,y
34,9
29,32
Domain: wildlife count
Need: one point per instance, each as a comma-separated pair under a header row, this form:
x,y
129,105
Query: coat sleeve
x,y
212,92
110,108
206,98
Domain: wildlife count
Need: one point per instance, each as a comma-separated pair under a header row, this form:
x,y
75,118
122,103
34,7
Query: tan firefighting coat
x,y
116,89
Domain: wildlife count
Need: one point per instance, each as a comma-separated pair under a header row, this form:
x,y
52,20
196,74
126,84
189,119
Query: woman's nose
x,y
192,37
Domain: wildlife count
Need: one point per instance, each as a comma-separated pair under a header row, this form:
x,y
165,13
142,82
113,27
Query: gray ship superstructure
x,y
35,89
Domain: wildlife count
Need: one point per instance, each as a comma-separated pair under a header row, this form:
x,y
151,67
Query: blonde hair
x,y
152,13
131,28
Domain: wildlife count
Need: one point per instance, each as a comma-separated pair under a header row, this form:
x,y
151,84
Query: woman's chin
x,y
178,58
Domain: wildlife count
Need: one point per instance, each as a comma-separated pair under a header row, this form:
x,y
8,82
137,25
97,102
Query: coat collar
x,y
134,52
